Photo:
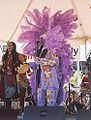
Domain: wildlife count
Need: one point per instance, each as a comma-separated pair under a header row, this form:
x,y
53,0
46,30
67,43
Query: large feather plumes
x,y
56,29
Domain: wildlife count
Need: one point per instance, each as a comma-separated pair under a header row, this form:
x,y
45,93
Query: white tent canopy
x,y
12,14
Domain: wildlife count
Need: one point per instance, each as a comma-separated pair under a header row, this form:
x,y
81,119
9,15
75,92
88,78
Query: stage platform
x,y
53,114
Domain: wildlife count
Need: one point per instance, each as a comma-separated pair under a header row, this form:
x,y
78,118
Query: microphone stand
x,y
38,72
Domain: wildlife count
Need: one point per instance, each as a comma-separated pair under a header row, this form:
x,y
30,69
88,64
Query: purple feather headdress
x,y
38,23
55,29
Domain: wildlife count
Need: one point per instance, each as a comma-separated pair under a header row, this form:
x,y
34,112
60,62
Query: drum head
x,y
23,68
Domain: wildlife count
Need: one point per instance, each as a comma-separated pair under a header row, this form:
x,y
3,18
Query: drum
x,y
23,68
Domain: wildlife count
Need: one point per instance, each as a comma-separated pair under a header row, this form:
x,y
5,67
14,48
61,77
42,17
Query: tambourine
x,y
23,68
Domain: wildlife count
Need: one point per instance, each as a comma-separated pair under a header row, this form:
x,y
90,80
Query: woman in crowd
x,y
10,61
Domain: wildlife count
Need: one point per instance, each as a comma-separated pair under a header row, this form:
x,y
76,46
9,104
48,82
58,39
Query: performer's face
x,y
41,41
10,47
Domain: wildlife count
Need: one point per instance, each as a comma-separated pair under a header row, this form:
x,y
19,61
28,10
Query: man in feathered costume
x,y
57,29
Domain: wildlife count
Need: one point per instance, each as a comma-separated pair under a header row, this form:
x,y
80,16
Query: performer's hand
x,y
16,69
38,60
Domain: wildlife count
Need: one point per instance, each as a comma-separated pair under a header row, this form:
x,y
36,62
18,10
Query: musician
x,y
44,81
11,60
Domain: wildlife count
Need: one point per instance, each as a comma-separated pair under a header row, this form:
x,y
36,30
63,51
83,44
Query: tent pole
x,y
30,2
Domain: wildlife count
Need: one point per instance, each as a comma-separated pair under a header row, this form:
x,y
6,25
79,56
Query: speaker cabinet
x,y
84,115
44,113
